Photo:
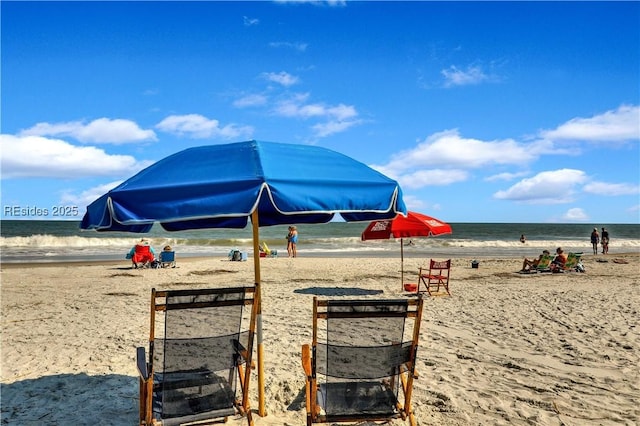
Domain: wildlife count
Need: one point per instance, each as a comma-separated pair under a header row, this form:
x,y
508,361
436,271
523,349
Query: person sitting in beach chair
x,y
198,367
265,251
540,264
572,263
142,254
557,265
360,357
167,257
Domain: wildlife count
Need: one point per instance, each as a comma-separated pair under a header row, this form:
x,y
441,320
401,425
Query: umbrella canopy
x,y
220,186
412,225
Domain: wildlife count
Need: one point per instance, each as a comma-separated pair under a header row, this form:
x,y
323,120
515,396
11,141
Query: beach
x,y
505,348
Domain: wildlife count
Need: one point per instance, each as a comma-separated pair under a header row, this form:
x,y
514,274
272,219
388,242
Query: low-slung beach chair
x,y
437,276
544,264
359,359
168,259
573,259
265,251
193,371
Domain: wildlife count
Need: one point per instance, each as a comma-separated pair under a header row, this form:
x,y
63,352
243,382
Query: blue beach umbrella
x,y
222,186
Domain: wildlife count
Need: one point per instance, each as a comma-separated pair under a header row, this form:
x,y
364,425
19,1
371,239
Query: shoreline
x,y
4,264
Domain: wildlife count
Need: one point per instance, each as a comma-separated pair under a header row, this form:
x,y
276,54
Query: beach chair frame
x,y
573,258
405,371
435,277
544,265
150,380
168,259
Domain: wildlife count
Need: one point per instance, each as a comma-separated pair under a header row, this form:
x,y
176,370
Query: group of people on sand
x,y
557,264
143,255
602,238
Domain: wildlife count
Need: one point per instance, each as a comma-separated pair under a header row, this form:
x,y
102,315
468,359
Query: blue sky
x,y
484,112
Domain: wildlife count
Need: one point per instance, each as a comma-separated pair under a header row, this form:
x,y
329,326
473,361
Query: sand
x,y
506,348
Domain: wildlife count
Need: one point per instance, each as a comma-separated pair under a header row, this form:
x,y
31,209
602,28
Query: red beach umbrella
x,y
413,225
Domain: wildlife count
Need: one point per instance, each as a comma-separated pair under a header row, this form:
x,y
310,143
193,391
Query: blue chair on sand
x,y
168,259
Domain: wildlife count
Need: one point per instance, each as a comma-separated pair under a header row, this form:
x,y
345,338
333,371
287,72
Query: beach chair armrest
x,y
405,369
306,359
240,349
141,362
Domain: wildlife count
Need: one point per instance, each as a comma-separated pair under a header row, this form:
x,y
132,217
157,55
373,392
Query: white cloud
x,y
35,156
102,130
338,118
622,124
197,126
282,77
611,189
505,176
575,215
248,22
448,149
250,101
323,130
300,47
456,77
432,177
551,187
88,196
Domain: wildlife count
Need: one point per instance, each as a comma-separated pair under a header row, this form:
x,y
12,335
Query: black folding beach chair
x,y
361,358
203,357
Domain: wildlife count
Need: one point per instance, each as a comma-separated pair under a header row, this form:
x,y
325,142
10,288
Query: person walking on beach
x,y
595,239
604,238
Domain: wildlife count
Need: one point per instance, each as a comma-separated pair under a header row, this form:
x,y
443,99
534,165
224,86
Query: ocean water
x,y
57,241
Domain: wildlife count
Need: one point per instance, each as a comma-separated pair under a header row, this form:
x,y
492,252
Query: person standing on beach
x,y
604,238
523,239
293,241
595,239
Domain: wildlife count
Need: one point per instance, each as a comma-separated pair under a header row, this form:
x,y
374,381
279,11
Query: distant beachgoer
x,y
410,243
557,264
604,238
523,239
142,254
595,239
527,265
292,241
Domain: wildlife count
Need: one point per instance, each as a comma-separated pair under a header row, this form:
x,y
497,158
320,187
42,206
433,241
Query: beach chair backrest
x,y
167,256
195,361
545,261
359,354
141,249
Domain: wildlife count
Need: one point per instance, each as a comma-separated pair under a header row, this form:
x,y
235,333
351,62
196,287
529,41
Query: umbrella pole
x,y
256,267
401,265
